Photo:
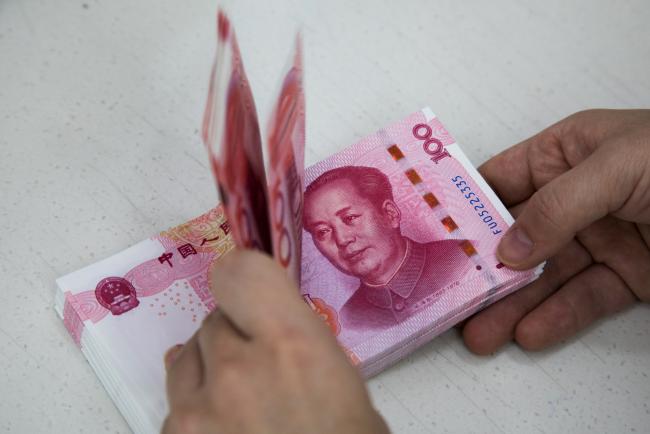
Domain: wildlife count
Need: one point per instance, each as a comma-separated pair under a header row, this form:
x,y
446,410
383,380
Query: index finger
x,y
185,375
508,173
516,173
257,295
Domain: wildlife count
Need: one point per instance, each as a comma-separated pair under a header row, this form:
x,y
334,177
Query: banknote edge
x,y
387,360
458,153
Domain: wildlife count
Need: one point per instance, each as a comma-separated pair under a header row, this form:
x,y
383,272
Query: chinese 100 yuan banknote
x,y
398,245
126,311
400,234
391,241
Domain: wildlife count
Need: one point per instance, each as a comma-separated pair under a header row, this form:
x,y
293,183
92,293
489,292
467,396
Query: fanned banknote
x,y
266,217
392,239
286,146
231,134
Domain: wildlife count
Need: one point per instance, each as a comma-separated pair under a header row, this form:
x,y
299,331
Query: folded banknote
x,y
265,211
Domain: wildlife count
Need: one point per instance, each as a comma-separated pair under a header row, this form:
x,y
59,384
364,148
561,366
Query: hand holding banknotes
x,y
263,362
376,250
580,190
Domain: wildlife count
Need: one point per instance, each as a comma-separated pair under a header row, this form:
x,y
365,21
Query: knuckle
x,y
573,320
291,333
579,118
612,291
587,113
230,373
573,125
546,203
293,346
280,326
232,389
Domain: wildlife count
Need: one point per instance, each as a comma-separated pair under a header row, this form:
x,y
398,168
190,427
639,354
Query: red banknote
x,y
286,145
231,134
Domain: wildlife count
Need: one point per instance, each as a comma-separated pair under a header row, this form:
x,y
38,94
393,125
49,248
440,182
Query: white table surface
x,y
100,107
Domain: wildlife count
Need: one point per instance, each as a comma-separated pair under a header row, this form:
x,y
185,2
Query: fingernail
x,y
515,247
171,355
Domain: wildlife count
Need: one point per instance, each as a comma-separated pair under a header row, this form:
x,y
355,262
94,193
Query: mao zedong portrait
x,y
354,221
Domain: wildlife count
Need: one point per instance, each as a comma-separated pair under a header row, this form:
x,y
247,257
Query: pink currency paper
x,y
286,145
232,137
126,311
399,241
170,278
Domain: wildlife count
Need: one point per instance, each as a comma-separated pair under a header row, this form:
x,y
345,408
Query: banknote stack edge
x,y
425,224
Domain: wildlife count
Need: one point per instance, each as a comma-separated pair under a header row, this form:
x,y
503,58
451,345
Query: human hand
x,y
581,190
263,362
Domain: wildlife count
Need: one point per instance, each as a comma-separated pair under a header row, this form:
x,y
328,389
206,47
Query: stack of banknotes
x,y
391,241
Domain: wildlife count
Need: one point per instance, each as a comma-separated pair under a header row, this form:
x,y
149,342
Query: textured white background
x,y
100,106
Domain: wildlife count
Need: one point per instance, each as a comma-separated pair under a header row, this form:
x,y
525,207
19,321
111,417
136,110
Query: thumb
x,y
561,208
256,295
